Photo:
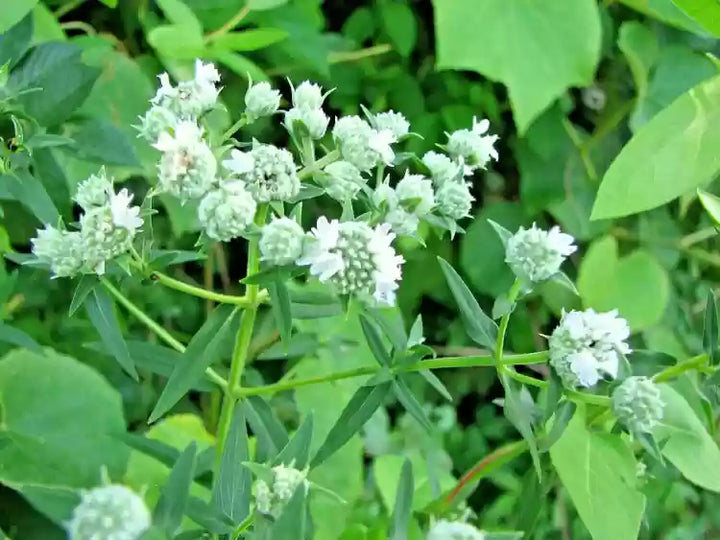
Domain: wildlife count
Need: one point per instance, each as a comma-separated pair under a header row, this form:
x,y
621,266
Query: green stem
x,y
242,301
327,159
232,129
158,330
242,341
680,368
229,25
502,330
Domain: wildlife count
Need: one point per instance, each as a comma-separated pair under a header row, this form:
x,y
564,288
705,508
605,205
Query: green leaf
x,y
179,13
31,193
481,328
636,284
292,522
101,311
685,442
39,445
464,27
640,46
250,40
84,287
599,473
705,12
665,11
563,415
178,41
403,504
260,5
204,347
410,402
60,96
207,516
518,408
174,496
15,336
297,450
13,12
374,341
281,308
233,482
711,203
239,64
710,328
100,141
399,23
270,433
672,154
15,41
358,410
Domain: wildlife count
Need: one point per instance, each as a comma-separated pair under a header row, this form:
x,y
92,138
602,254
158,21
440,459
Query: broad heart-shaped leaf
x,y
101,311
482,35
358,410
15,336
403,504
60,96
686,443
710,328
599,472
637,285
233,482
640,46
672,154
667,12
204,347
481,328
170,508
705,12
39,445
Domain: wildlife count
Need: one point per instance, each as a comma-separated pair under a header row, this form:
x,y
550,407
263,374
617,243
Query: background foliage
x,y
565,83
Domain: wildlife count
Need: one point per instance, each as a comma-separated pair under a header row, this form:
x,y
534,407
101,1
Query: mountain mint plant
x,y
261,198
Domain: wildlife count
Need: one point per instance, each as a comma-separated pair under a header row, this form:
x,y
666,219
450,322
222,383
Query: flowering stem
x,y
680,368
158,330
242,301
511,297
242,341
229,25
430,363
327,159
232,129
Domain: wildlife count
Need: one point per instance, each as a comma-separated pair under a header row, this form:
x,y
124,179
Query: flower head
x,y
415,193
442,168
158,119
392,121
362,145
111,512
227,211
308,96
94,191
271,498
473,145
314,120
272,176
536,255
189,99
342,180
281,241
261,100
61,250
638,405
124,215
454,200
454,530
587,345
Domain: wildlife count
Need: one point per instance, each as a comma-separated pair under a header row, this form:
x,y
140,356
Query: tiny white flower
x,y
269,172
94,191
124,215
473,145
281,241
239,162
381,142
61,250
227,211
585,367
318,254
417,189
206,73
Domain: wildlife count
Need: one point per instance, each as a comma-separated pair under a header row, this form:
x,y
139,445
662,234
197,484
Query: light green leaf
x,y
250,40
39,445
31,193
179,13
483,36
672,154
410,402
15,336
686,443
297,450
667,12
518,408
241,65
399,23
640,47
705,12
84,287
599,472
260,5
375,341
636,284
170,508
403,504
711,203
13,12
292,522
181,42
268,430
233,483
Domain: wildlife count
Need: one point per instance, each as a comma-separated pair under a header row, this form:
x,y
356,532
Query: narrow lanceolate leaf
x,y
563,415
410,402
270,433
710,330
31,193
481,328
101,311
518,410
233,483
297,451
174,496
207,516
84,287
281,307
15,336
501,231
374,341
403,504
711,203
358,410
292,522
552,396
436,383
202,350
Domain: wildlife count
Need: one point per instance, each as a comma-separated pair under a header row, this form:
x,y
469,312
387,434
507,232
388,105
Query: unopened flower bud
x,y
343,180
536,255
392,121
637,404
261,100
308,96
95,191
227,211
314,120
281,242
415,193
454,200
111,512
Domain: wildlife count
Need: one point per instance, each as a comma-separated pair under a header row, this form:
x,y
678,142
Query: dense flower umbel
x,y
95,191
307,110
227,211
473,146
415,194
454,530
342,180
638,405
536,255
355,258
454,200
270,499
281,242
392,121
187,166
189,99
442,168
362,145
261,100
61,250
586,345
111,512
268,172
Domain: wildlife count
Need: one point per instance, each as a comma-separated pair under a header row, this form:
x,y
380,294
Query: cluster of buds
x,y
111,512
107,229
638,405
271,496
454,530
536,255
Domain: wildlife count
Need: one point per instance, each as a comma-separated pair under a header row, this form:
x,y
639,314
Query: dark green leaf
x,y
518,408
84,287
410,402
563,415
202,350
47,140
171,506
481,328
375,342
353,417
553,393
297,450
400,25
207,516
15,336
270,433
403,504
250,40
31,193
501,231
101,311
280,302
233,482
15,41
436,383
15,13
710,329
101,141
292,522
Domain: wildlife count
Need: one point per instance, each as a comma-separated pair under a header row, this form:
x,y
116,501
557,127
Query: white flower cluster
x,y
638,405
454,530
111,512
587,345
307,111
270,498
536,255
474,146
107,229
